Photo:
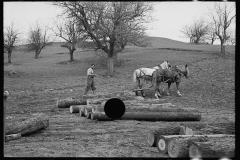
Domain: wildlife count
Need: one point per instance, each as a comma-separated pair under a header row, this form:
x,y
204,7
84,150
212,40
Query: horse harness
x,y
163,75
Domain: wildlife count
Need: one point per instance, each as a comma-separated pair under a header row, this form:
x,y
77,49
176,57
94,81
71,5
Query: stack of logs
x,y
135,109
195,140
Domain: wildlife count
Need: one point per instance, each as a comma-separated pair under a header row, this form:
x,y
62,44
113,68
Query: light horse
x,y
142,75
168,76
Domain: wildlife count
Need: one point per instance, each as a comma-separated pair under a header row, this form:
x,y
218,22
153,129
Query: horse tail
x,y
135,76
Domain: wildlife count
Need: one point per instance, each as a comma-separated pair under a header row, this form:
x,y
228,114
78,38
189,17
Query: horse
x,y
141,75
168,76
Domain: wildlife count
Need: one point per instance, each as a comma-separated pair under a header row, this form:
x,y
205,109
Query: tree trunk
x,y
222,47
212,128
12,137
10,57
153,135
34,123
66,103
76,108
36,54
110,66
71,55
153,116
212,147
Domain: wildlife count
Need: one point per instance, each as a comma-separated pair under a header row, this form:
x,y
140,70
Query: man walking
x,y
90,80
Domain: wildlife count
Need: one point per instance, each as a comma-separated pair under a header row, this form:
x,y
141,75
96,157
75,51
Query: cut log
x,y
76,108
82,112
162,144
66,103
100,116
32,124
87,109
211,128
212,147
96,101
162,116
153,135
157,116
185,131
178,147
150,108
12,137
89,115
192,136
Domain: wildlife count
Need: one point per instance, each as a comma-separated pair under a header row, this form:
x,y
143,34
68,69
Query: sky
x,y
169,17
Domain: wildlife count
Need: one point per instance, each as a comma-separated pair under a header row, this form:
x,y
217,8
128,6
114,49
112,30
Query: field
x,y
39,82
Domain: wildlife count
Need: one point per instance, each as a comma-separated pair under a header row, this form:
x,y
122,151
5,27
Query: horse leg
x,y
158,90
178,92
169,85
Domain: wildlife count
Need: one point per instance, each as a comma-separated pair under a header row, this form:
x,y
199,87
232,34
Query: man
x,y
90,80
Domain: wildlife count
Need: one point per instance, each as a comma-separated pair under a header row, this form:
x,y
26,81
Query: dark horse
x,y
168,76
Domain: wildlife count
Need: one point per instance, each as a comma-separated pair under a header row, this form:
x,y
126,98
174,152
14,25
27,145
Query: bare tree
x,y
232,38
109,24
11,36
70,32
211,35
196,31
188,32
37,39
200,29
222,17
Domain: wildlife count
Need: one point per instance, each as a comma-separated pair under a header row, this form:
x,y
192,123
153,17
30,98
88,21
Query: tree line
x,y
202,31
113,25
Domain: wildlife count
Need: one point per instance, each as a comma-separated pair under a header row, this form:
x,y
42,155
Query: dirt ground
x,y
38,83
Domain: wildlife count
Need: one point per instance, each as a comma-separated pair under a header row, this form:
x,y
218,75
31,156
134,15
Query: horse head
x,y
182,72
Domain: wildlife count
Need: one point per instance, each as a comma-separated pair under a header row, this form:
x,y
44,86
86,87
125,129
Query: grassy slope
x,y
210,88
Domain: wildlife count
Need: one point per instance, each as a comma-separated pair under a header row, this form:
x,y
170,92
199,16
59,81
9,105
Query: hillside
x,y
38,83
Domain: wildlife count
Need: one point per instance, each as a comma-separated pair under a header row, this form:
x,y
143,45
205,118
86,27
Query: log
x,y
162,116
185,131
81,112
96,101
12,137
152,136
32,124
66,103
178,147
100,116
162,144
87,109
100,100
76,108
153,116
212,147
148,108
89,114
212,128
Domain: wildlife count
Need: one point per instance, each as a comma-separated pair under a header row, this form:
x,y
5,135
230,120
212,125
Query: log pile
x,y
180,140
